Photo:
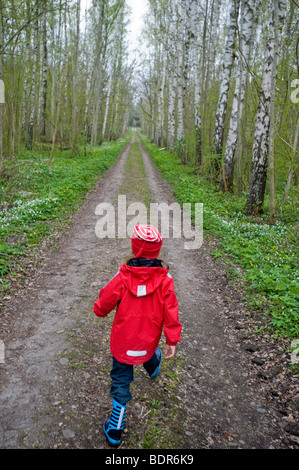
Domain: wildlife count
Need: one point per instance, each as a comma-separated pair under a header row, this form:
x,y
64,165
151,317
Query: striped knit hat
x,y
146,241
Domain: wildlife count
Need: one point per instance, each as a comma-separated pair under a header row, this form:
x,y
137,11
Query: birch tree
x,y
171,60
76,72
161,91
109,91
225,83
98,70
44,70
294,161
197,77
61,82
206,33
32,115
116,75
52,70
248,12
106,17
181,81
161,50
256,193
1,92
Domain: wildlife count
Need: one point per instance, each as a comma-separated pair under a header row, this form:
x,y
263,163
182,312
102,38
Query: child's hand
x,y
169,351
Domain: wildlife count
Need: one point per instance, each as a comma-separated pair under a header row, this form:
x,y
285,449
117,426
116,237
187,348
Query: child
x,y
146,303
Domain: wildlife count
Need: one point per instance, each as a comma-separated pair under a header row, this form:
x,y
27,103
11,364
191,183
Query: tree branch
x,y
28,22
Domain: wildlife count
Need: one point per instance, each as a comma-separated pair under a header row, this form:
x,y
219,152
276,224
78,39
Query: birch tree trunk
x,y
53,63
44,71
198,78
98,74
209,48
1,92
75,110
160,127
181,84
171,81
109,92
227,67
272,115
247,22
30,131
118,82
90,66
108,101
213,39
256,193
291,169
26,85
62,77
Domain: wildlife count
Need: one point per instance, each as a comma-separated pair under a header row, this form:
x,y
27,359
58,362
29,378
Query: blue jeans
x,y
122,375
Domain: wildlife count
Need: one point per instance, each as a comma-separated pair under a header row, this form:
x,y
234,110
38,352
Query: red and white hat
x,y
146,241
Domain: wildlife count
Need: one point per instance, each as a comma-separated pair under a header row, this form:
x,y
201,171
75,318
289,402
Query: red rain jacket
x,y
146,304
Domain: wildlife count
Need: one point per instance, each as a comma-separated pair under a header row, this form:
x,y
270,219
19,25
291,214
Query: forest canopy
x,y
221,89
216,82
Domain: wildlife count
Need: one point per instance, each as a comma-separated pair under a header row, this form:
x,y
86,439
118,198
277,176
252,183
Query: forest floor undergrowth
x,y
227,387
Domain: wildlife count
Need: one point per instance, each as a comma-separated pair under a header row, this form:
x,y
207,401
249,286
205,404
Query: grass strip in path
x,y
160,414
134,182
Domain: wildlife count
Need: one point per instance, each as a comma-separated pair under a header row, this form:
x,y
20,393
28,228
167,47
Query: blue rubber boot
x,y
114,426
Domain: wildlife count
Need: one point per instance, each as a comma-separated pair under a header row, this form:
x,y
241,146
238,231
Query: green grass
x,y
267,254
34,199
134,181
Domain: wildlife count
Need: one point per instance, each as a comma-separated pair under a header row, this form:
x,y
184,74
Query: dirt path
x,y
224,390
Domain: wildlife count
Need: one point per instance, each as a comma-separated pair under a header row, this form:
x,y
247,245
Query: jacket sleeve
x,y
172,326
109,296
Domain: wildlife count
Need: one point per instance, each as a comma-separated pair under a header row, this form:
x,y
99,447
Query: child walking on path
x,y
143,293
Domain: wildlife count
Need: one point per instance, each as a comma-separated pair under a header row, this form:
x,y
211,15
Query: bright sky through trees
x,y
138,10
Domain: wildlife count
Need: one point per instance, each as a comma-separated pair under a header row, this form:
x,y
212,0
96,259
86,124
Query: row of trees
x,y
66,74
217,89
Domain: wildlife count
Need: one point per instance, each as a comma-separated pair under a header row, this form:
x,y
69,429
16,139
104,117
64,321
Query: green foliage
x,y
268,254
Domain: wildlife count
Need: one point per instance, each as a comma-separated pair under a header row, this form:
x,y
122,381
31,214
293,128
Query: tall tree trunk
x,y
26,86
247,23
109,91
291,169
90,63
2,98
171,82
53,63
227,67
61,82
198,78
44,71
181,84
256,193
160,127
30,130
272,122
98,74
75,110
212,41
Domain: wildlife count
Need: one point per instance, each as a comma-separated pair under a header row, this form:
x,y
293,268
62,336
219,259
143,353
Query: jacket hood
x,y
141,281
